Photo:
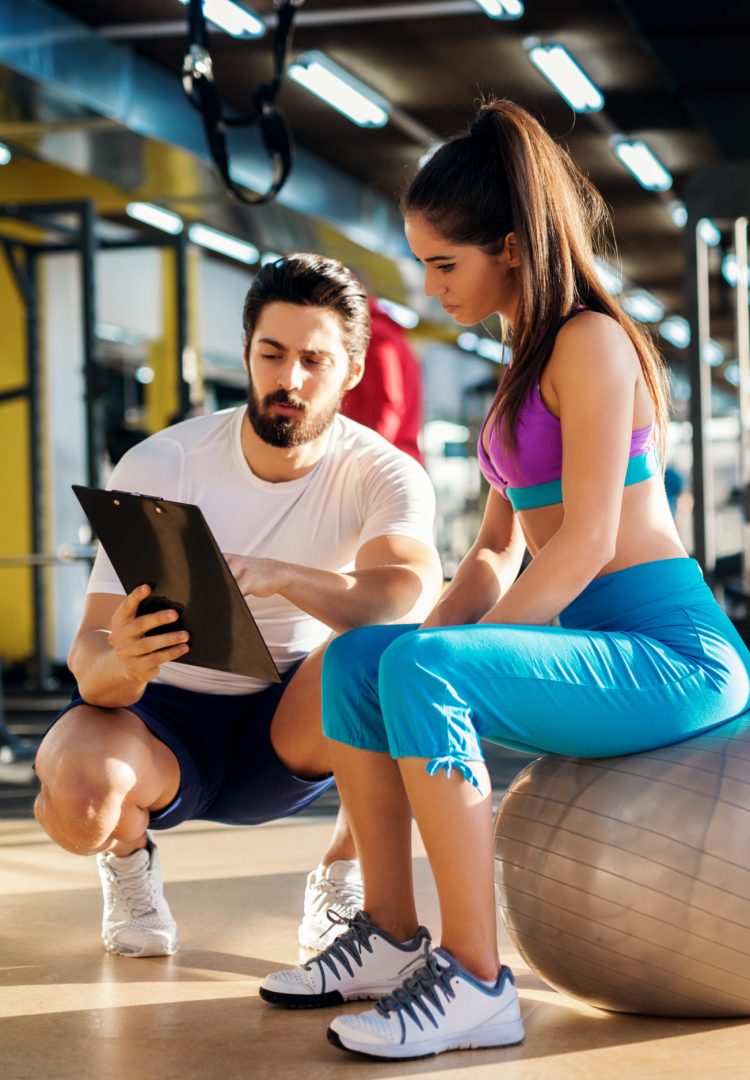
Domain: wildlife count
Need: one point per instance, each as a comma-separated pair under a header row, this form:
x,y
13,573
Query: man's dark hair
x,y
312,281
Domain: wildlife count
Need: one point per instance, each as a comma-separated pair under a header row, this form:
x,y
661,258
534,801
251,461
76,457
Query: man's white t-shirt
x,y
361,488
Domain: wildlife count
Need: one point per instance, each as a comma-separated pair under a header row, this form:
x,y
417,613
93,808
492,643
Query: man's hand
x,y
258,577
138,655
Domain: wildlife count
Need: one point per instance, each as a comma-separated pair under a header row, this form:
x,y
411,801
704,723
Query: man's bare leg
x,y
102,773
335,885
297,737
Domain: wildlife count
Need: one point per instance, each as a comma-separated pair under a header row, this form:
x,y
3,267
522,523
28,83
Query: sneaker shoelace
x,y
347,946
423,984
344,895
135,889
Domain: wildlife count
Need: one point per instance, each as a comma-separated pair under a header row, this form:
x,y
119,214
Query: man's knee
x,y
82,790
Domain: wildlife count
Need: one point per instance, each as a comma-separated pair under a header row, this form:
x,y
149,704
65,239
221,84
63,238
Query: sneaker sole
x,y
145,951
510,1034
320,1001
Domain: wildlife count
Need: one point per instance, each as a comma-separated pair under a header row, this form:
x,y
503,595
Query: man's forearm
x,y
383,594
100,677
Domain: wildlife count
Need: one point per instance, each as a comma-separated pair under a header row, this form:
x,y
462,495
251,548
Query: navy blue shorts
x,y
229,771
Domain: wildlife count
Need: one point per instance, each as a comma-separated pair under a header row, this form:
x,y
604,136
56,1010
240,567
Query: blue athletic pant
x,y
642,658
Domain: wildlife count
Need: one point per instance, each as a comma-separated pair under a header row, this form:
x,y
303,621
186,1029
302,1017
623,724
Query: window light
x,y
340,89
501,9
641,305
224,244
233,18
156,216
567,76
642,163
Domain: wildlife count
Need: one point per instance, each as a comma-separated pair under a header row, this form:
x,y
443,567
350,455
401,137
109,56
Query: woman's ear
x,y
511,247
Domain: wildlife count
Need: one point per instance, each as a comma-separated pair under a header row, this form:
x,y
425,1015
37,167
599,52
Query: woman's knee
x,y
408,660
423,713
351,708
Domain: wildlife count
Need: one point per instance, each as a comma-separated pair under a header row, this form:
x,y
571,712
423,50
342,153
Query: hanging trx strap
x,y
198,83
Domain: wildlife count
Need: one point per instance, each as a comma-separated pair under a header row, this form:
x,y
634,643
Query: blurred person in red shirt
x,y
388,398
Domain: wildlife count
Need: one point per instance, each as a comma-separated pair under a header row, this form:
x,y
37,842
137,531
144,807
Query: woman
x,y
642,656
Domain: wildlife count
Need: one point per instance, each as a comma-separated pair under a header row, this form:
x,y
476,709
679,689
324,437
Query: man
x,y
388,398
326,527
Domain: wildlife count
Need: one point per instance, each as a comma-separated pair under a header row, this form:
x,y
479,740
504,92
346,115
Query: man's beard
x,y
286,431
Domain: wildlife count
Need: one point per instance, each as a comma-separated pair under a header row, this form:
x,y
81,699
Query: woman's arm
x,y
594,375
487,571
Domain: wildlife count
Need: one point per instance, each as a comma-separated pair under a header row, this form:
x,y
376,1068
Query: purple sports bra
x,y
531,476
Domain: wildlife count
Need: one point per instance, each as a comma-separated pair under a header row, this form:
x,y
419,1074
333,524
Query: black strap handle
x,y
198,83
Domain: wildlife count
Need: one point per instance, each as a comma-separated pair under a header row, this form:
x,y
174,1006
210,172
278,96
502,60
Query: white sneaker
x,y
362,963
440,1007
136,920
336,888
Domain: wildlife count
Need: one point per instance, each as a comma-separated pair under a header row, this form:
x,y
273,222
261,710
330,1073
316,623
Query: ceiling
x,y
672,73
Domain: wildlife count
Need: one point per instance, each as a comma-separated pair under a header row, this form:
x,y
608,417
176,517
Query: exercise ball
x,y
626,881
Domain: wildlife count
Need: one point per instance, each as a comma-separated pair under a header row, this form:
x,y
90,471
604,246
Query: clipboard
x,y
169,546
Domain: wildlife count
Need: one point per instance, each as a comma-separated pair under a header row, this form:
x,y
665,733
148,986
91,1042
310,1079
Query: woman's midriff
x,y
647,532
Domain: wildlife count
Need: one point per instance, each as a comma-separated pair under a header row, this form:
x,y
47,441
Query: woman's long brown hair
x,y
508,175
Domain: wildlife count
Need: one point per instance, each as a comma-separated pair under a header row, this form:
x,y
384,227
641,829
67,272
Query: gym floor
x,y
69,1010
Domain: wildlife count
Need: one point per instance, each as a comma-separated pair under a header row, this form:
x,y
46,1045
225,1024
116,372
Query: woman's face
x,y
469,283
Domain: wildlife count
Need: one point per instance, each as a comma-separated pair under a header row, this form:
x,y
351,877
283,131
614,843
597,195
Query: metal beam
x,y
436,9
75,60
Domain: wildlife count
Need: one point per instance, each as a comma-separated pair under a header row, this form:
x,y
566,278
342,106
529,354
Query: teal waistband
x,y
528,498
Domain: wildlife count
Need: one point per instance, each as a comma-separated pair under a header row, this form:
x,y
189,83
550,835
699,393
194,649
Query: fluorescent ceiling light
x,y
676,331
5,154
643,306
467,341
429,153
713,353
224,244
502,9
487,348
156,216
339,89
269,257
491,350
144,374
729,269
642,163
708,232
567,76
234,18
732,374
678,213
401,314
609,276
